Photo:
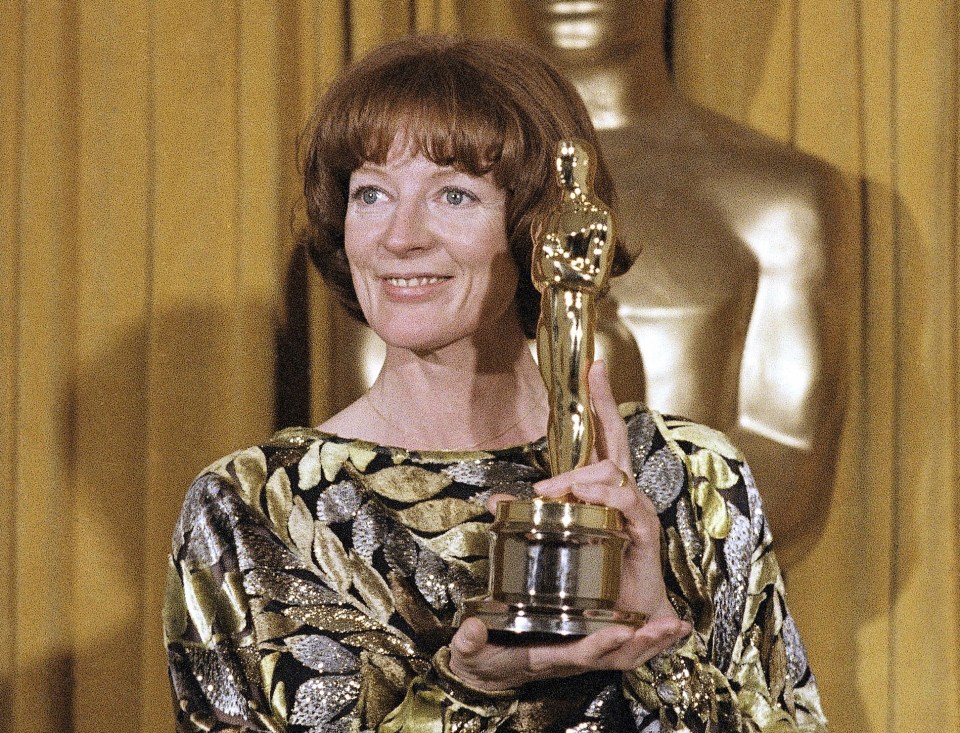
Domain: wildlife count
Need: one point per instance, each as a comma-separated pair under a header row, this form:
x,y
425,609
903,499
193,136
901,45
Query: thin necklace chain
x,y
473,446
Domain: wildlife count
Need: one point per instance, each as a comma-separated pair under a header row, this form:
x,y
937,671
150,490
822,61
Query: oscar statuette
x,y
555,564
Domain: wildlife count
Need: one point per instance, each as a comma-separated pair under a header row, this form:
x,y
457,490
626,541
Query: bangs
x,y
446,111
482,106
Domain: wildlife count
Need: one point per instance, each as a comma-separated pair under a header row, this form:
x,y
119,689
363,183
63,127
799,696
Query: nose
x,y
407,231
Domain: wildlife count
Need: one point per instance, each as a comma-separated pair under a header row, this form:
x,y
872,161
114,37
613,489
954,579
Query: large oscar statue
x,y
733,314
555,565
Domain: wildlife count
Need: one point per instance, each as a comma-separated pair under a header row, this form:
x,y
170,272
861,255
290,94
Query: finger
x,y
658,636
609,640
612,431
623,498
470,638
613,647
644,643
603,472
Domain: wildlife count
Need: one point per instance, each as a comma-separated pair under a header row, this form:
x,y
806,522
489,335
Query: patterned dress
x,y
313,581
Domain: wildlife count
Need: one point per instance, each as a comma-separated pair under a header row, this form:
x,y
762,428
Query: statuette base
x,y
529,624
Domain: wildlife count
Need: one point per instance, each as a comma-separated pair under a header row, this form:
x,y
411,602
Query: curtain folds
x,y
871,87
154,316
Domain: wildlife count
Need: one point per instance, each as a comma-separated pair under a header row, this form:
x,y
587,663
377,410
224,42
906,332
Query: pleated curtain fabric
x,y
154,316
870,86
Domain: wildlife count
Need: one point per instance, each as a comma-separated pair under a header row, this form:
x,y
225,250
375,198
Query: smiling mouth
x,y
415,282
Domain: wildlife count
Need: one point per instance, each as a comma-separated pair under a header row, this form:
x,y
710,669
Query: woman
x,y
314,579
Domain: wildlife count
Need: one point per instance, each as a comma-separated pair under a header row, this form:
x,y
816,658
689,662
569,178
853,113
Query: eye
x,y
457,196
368,195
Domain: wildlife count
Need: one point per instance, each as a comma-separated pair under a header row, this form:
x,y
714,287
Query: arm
x,y
707,559
287,608
743,668
208,619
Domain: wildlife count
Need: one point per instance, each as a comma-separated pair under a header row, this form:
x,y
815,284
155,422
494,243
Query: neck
x,y
466,396
615,94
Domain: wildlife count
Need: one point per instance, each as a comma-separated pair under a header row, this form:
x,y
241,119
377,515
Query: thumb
x,y
470,638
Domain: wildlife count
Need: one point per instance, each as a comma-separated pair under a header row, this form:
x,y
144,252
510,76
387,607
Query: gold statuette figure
x,y
571,267
555,565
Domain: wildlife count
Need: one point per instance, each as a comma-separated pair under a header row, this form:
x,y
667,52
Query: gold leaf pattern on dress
x,y
373,588
807,700
754,696
199,595
378,696
332,457
479,569
294,437
279,501
278,701
439,515
381,643
332,557
427,710
267,666
361,453
300,527
468,540
219,467
270,625
315,631
450,456
412,607
309,469
335,619
174,607
285,588
764,573
251,469
392,669
777,668
705,437
711,466
710,473
407,483
716,518
232,605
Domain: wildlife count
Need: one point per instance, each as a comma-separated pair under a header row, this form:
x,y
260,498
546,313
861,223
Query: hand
x,y
494,667
608,481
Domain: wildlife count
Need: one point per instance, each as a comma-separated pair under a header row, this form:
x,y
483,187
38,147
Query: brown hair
x,y
481,106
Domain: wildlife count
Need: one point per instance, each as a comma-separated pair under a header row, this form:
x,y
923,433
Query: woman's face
x,y
428,252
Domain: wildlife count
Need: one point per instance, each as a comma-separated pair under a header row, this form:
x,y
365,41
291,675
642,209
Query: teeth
x,y
413,282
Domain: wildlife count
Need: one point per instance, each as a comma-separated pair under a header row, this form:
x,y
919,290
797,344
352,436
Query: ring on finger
x,y
624,479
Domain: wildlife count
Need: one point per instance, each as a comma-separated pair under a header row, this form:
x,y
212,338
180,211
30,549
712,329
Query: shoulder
x,y
258,482
678,461
693,142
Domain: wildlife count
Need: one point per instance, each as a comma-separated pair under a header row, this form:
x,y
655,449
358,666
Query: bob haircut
x,y
480,106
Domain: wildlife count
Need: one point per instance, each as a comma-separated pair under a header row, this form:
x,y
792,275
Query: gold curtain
x,y
147,180
870,86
